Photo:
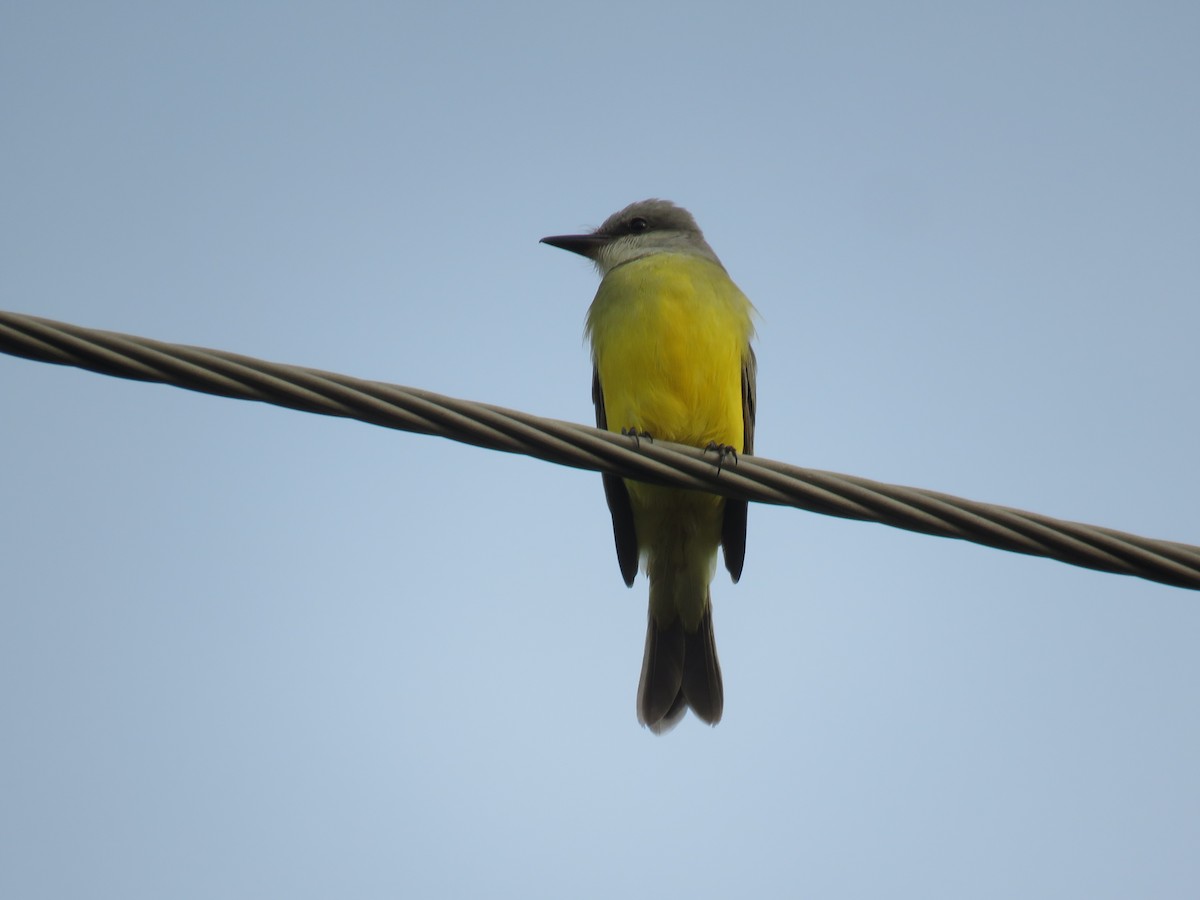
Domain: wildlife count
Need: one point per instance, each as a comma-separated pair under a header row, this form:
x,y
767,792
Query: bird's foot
x,y
723,451
637,434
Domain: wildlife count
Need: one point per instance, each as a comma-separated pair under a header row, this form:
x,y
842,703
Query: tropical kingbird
x,y
670,335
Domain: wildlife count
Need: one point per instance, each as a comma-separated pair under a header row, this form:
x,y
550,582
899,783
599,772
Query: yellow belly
x,y
669,333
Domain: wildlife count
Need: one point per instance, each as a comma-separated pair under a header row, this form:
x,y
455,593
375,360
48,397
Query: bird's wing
x,y
618,500
749,377
733,527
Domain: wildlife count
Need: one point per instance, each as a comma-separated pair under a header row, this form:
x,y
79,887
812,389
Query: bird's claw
x,y
723,451
637,434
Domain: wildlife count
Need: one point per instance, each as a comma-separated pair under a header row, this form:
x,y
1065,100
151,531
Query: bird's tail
x,y
680,670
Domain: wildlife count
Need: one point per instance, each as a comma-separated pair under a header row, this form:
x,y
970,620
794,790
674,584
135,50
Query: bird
x,y
670,337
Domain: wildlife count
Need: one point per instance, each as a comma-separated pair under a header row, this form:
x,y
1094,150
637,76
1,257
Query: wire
x,y
752,478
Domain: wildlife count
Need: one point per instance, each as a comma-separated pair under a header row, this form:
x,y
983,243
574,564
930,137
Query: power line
x,y
752,478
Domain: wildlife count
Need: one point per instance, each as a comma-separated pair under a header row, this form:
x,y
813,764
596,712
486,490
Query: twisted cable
x,y
580,446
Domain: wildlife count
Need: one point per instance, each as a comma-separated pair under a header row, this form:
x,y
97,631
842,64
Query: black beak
x,y
584,244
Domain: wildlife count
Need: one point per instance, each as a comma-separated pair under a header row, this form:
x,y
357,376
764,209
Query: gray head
x,y
640,229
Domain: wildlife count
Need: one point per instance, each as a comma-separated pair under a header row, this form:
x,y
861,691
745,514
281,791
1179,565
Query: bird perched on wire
x,y
670,335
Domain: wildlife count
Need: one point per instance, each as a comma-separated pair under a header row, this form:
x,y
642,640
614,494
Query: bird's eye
x,y
637,225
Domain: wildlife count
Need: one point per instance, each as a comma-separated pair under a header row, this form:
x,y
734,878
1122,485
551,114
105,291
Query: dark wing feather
x,y
618,501
749,401
733,527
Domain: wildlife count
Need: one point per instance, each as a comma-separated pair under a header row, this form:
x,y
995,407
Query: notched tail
x,y
680,669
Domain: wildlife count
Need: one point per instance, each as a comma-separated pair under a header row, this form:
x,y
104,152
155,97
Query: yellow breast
x,y
669,333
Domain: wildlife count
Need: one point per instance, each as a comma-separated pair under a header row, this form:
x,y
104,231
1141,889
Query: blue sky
x,y
250,652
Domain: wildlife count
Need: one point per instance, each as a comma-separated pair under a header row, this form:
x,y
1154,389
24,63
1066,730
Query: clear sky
x,y
248,652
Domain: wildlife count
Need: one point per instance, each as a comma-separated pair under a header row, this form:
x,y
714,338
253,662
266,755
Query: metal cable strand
x,y
580,446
